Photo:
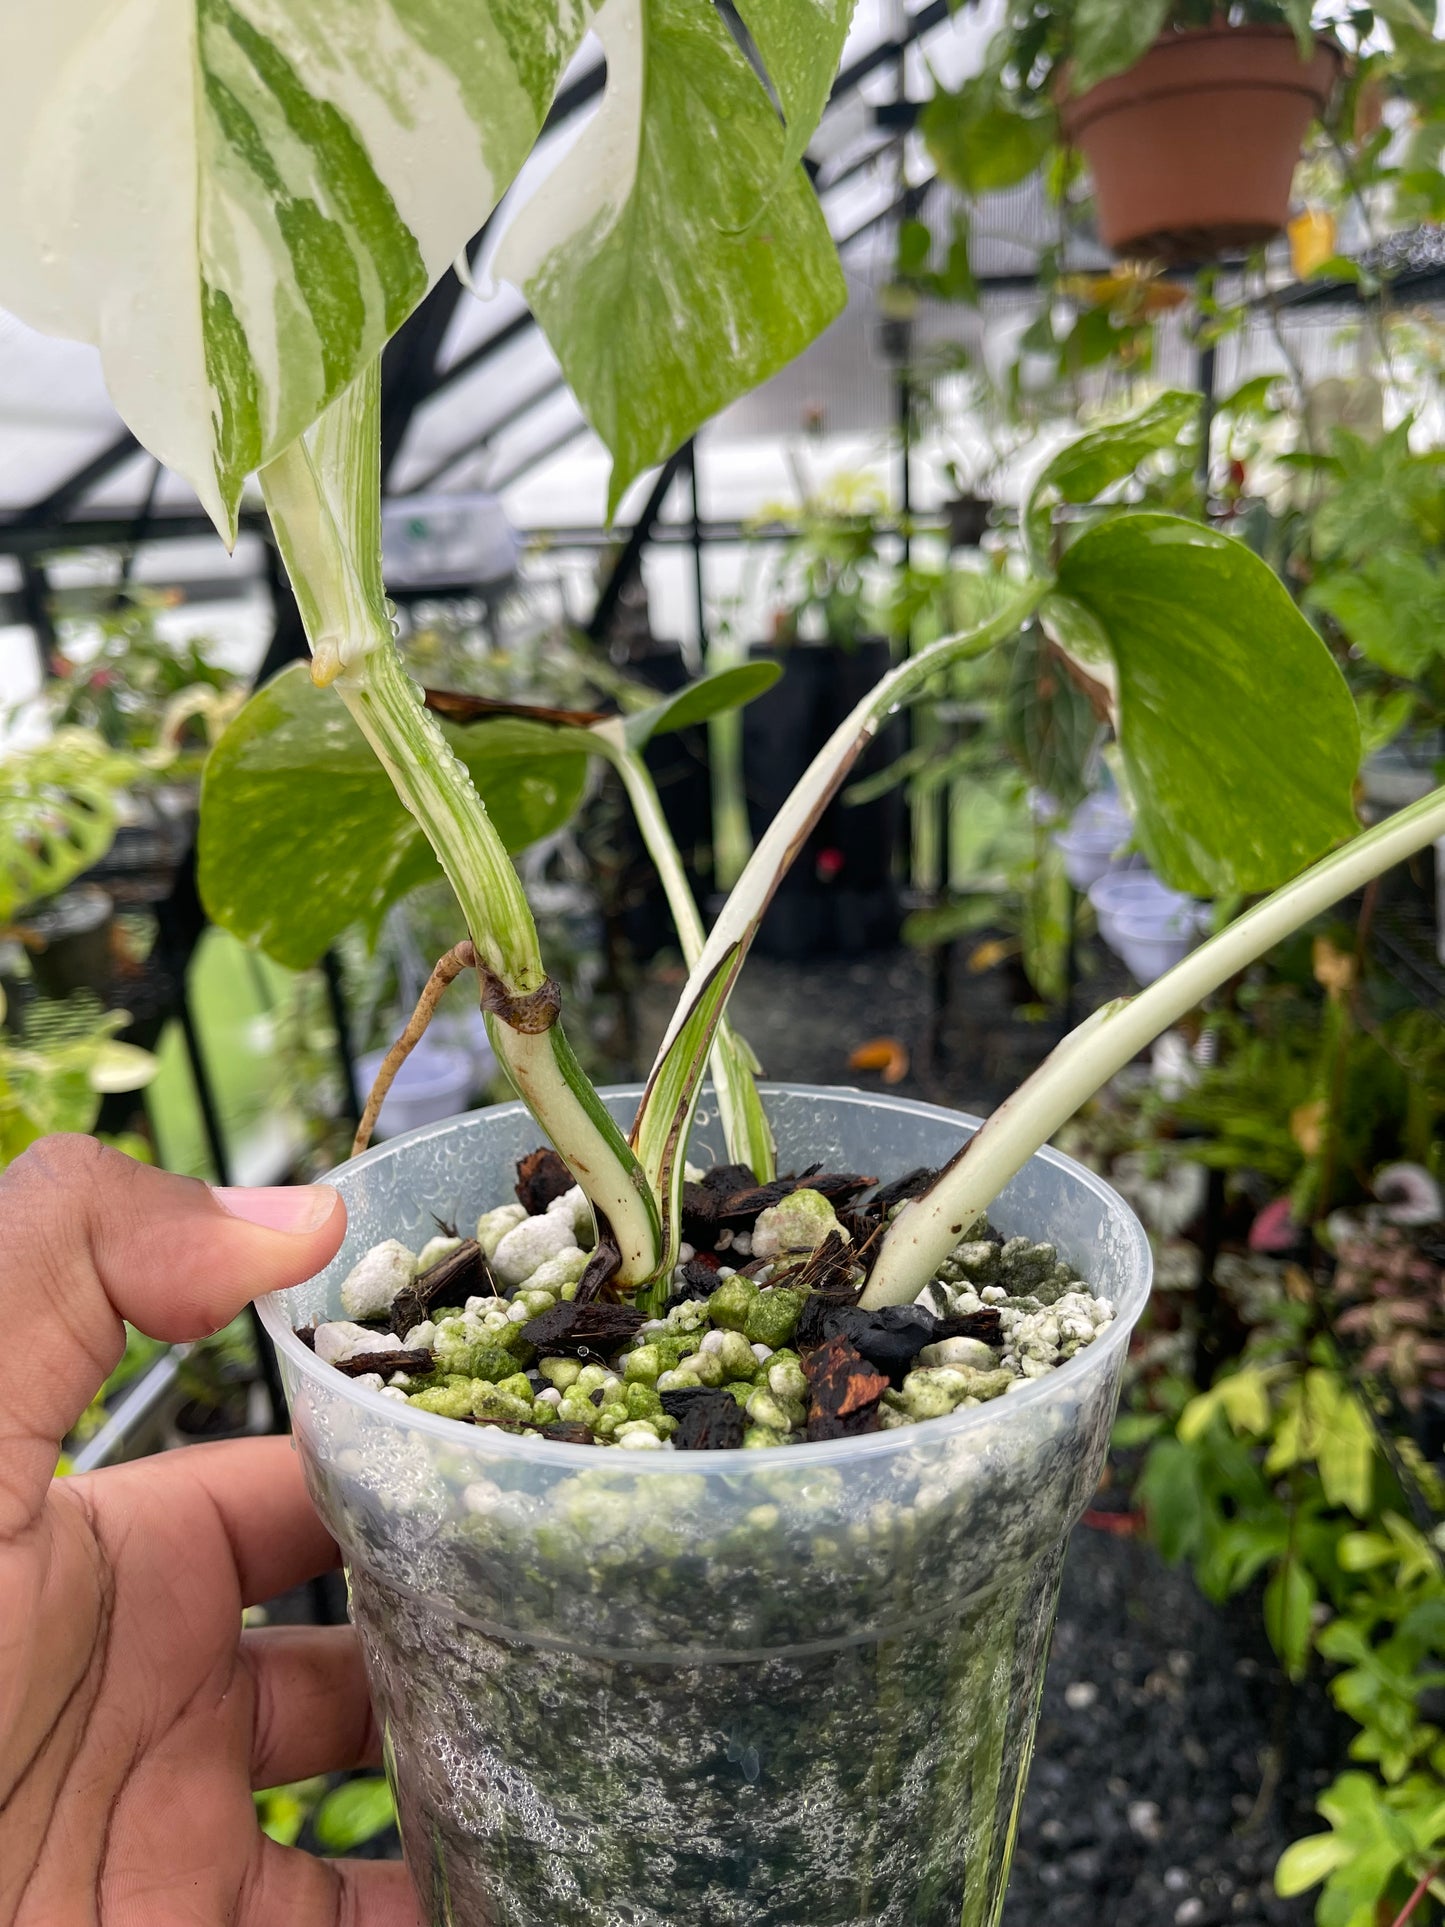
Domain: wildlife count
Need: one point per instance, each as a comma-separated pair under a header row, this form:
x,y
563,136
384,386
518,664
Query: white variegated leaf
x,y
238,201
642,254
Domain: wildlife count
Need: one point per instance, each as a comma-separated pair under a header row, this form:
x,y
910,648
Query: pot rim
x,y
549,1452
1114,92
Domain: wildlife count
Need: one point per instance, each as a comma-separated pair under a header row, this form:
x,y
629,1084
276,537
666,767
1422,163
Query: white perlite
x,y
340,1340
530,1244
376,1277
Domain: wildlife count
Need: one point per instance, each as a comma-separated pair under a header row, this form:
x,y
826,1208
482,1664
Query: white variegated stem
x,y
732,935
745,1125
923,1234
324,538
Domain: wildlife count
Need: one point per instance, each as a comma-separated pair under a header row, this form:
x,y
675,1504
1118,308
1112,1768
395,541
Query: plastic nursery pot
x,y
1193,150
434,1083
69,941
1124,892
1152,941
709,1689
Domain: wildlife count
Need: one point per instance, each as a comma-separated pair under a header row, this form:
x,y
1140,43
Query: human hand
x,y
135,1714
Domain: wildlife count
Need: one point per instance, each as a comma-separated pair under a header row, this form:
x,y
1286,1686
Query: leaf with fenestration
x,y
302,834
800,47
641,254
239,202
1237,731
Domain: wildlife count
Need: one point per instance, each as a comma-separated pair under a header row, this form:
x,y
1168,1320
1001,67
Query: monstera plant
x,y
239,202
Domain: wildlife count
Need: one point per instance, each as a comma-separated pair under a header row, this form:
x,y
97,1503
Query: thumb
x,y
91,1238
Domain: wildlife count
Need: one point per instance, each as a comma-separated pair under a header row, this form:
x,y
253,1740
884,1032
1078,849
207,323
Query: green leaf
x,y
1110,38
1300,15
353,1814
1391,606
1288,1602
1106,455
1170,1491
662,295
980,142
1307,1862
302,834
710,696
253,197
801,48
1345,1452
1236,728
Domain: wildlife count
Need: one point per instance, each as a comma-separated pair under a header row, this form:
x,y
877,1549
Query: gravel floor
x,y
803,1020
1156,1736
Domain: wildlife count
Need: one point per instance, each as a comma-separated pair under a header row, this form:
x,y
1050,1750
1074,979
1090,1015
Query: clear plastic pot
x,y
780,1688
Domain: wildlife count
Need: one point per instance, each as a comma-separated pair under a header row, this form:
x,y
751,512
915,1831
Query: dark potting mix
x,y
758,1340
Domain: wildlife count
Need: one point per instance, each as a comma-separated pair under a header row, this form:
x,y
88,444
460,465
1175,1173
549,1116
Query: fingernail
x,y
278,1207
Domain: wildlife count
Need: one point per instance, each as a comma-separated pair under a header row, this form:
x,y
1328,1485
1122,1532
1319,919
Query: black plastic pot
x,y
681,767
69,941
967,520
841,895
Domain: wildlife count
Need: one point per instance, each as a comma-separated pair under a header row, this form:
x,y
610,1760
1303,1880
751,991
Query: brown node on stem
x,y
537,1011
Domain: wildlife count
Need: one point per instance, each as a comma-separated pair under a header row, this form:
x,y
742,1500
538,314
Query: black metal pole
x,y
1205,377
35,603
341,1020
699,584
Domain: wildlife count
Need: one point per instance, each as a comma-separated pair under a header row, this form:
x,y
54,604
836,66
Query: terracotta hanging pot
x,y
1193,151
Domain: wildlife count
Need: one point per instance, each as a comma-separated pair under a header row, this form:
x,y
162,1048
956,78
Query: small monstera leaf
x,y
238,202
58,814
302,834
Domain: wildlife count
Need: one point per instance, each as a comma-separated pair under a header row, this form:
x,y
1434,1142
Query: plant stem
x,y
1421,1889
921,1237
731,936
324,505
745,1126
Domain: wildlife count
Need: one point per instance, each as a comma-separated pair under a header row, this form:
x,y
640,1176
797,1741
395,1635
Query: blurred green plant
x,y
55,1077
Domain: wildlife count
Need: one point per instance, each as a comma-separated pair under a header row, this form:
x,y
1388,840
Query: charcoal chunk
x,y
418,1362
911,1185
843,1391
889,1338
725,1179
812,1320
700,1219
712,1421
461,1274
698,1279
541,1177
577,1328
307,1335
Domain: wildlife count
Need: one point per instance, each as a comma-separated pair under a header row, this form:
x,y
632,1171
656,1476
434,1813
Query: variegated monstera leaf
x,y
238,201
